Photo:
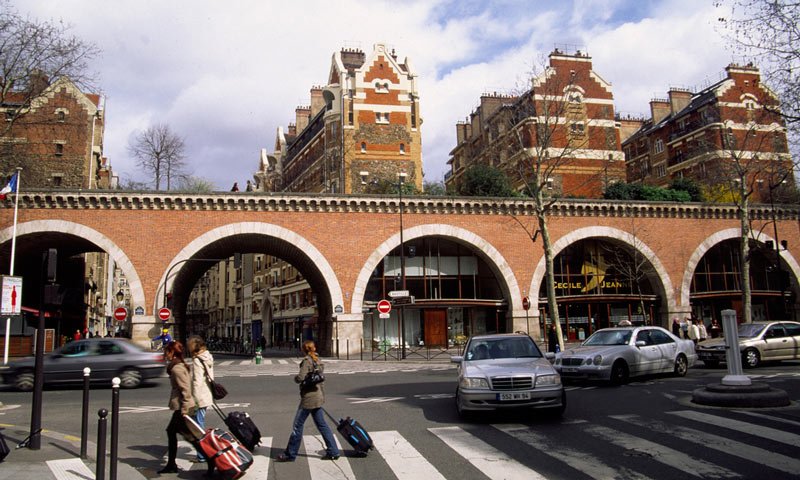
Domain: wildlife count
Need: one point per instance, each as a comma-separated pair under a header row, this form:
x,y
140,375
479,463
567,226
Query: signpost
x,y
526,304
120,314
164,314
10,305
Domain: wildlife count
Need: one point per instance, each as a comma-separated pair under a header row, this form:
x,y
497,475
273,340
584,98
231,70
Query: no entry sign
x,y
384,306
120,314
164,314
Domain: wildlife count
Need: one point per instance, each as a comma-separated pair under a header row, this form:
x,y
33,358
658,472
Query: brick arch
x,y
266,229
494,258
718,237
604,232
93,236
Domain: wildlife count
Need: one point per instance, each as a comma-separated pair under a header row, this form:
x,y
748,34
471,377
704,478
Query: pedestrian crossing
x,y
680,444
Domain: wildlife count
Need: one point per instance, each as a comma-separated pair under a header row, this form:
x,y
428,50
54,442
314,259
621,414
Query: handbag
x,y
218,392
313,377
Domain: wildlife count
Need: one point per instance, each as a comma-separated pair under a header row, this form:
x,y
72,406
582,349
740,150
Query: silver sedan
x,y
616,354
505,371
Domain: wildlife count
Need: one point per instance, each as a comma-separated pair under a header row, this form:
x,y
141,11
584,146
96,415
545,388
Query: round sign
x,y
120,314
164,314
384,306
526,303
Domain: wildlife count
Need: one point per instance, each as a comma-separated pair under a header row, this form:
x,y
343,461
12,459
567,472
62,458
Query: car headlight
x,y
598,359
474,382
545,380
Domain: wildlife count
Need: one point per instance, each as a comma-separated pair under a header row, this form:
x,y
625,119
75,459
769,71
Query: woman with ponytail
x,y
181,401
311,399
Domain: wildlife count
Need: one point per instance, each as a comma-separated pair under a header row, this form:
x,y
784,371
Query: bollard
x,y
733,356
112,473
100,471
85,412
348,348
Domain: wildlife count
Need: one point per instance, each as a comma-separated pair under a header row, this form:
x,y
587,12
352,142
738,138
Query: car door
x,y
66,365
648,356
793,336
110,359
776,343
667,348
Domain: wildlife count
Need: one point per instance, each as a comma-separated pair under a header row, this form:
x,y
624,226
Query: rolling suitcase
x,y
242,427
355,434
4,450
229,457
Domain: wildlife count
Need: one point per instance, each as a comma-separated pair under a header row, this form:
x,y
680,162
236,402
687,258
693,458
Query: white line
x,y
673,458
581,461
744,427
70,469
245,362
260,467
491,462
283,362
184,463
722,444
325,469
774,419
225,363
404,460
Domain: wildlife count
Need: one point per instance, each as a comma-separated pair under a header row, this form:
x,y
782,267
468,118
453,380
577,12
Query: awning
x,y
35,312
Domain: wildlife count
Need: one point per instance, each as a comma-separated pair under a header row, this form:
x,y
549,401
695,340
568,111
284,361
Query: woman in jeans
x,y
180,401
202,369
311,399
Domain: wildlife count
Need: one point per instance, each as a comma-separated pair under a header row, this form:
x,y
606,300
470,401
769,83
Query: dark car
x,y
106,357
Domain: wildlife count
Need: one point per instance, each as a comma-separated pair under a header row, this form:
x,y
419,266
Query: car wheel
x,y
681,366
619,373
711,363
130,378
24,381
751,358
463,414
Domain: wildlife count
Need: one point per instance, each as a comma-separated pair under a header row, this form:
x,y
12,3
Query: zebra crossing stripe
x,y
587,464
283,362
722,444
490,461
404,460
183,462
69,469
260,466
673,458
225,363
744,427
774,419
325,469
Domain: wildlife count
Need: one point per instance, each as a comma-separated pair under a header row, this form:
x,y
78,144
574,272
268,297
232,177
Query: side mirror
x,y
456,359
550,356
641,343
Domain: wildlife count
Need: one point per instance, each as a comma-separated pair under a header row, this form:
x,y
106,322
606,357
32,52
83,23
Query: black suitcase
x,y
241,425
355,434
4,450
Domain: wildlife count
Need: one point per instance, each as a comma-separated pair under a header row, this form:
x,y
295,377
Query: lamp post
x,y
401,335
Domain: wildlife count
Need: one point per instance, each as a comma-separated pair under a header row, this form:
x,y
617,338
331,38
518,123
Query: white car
x,y
616,354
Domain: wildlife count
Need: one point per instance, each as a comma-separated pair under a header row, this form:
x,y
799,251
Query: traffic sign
x,y
384,306
164,314
120,314
526,303
399,293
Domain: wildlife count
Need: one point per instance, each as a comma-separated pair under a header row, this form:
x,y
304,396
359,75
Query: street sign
x,y
399,293
384,315
120,314
164,314
526,303
384,306
139,310
11,302
338,309
403,300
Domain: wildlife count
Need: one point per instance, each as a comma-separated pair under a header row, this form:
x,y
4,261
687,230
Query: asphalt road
x,y
646,429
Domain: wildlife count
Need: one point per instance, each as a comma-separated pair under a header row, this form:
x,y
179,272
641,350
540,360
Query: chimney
x,y
679,98
659,109
490,103
461,133
37,82
302,117
317,102
292,129
628,126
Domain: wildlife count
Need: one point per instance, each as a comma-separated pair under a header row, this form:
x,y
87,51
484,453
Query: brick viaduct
x,y
337,241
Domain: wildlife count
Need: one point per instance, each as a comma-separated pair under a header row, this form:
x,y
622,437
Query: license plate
x,y
504,397
569,370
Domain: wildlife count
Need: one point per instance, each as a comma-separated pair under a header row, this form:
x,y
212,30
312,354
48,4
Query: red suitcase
x,y
230,458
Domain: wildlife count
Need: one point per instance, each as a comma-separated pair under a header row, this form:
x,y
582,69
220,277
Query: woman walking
x,y
180,401
202,372
311,399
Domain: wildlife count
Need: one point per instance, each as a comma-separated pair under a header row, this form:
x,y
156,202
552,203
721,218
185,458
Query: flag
x,y
10,188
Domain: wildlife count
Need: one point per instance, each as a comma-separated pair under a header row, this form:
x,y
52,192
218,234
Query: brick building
x,y
566,117
697,134
363,127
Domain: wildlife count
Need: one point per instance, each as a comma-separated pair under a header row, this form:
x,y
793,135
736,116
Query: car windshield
x,y
609,337
750,330
492,348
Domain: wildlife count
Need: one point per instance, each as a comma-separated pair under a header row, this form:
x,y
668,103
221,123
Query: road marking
x,y
774,419
587,464
404,460
722,444
260,466
490,461
70,469
744,427
225,363
673,458
283,362
325,469
373,399
183,462
142,409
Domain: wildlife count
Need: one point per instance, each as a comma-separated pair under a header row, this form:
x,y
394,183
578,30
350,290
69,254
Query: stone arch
x,y
717,238
611,233
93,236
494,257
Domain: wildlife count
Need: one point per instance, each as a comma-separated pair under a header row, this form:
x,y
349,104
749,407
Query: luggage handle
x,y
218,410
331,417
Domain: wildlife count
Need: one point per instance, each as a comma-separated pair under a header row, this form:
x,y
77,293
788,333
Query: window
x,y
381,87
659,146
402,149
61,115
661,170
381,117
363,147
576,128
56,180
59,149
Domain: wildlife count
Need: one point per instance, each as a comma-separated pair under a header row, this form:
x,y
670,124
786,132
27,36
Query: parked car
x,y
505,371
616,354
107,358
758,342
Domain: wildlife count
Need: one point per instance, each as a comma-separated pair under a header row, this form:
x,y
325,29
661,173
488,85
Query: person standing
x,y
249,186
202,370
714,329
311,399
685,328
552,340
77,335
702,332
181,401
693,331
235,187
676,327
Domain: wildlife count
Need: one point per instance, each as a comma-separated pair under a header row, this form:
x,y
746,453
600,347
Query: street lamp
x,y
120,296
401,177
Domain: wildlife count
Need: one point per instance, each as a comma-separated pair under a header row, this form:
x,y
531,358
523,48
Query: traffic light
x,y
50,260
237,260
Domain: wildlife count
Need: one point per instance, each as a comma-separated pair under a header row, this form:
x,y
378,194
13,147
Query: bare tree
x,y
33,54
161,153
194,184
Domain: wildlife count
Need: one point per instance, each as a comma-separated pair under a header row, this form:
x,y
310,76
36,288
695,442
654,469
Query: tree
x,y
482,180
33,54
194,184
161,153
436,189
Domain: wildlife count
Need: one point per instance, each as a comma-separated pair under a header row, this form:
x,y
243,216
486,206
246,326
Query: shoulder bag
x,y
313,377
218,392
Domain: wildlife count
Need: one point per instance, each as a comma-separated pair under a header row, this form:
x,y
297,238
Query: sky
x,y
225,74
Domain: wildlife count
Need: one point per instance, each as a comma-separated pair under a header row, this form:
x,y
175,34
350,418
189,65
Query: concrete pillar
x,y
144,328
348,335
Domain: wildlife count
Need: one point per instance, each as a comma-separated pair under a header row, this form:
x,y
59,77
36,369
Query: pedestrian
x,y
202,370
77,335
624,323
235,187
552,340
249,187
693,331
180,401
714,329
685,328
311,399
676,327
108,334
702,332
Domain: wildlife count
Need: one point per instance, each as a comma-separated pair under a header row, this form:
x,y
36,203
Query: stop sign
x,y
120,314
164,314
384,306
526,303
